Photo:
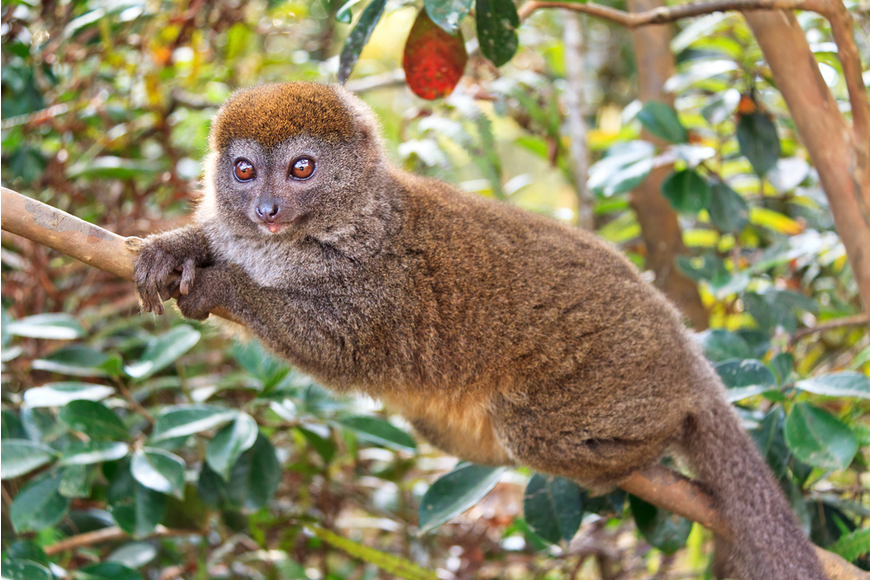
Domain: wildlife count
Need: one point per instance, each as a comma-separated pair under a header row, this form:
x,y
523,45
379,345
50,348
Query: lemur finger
x,y
188,274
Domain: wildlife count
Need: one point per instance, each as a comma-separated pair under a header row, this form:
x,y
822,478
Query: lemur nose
x,y
268,211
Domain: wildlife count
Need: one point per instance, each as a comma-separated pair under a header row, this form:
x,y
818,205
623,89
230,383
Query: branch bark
x,y
102,249
659,226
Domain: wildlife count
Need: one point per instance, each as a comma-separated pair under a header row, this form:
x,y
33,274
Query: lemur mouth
x,y
274,228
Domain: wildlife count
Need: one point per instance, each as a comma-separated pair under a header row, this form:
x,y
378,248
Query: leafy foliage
x,y
218,459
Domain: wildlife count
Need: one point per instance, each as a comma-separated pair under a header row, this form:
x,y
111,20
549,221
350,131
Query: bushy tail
x,y
768,543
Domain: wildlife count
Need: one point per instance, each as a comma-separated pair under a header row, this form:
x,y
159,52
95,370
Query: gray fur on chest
x,y
268,263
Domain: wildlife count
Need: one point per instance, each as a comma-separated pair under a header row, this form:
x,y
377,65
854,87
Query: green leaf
x,y
159,470
661,528
497,23
109,167
163,352
661,120
77,360
624,167
393,565
229,443
107,571
266,368
50,326
255,476
19,456
358,38
24,570
75,481
39,505
136,509
818,438
844,384
185,420
88,452
322,445
59,394
756,135
770,439
553,507
728,210
344,14
447,13
782,364
134,554
94,420
26,550
455,492
379,432
745,378
687,191
853,545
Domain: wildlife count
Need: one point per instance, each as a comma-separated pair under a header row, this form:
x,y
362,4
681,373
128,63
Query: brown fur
x,y
270,114
504,337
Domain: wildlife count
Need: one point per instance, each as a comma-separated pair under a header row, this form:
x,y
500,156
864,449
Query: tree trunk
x,y
840,154
658,222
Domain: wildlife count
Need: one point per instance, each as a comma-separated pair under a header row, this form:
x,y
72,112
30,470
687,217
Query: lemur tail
x,y
768,543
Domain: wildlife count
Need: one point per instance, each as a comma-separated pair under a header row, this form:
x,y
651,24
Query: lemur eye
x,y
302,168
244,170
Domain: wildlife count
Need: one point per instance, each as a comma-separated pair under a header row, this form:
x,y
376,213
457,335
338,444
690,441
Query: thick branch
x,y
41,223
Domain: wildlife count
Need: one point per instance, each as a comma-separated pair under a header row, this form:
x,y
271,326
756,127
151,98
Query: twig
x,y
134,403
668,14
855,320
109,535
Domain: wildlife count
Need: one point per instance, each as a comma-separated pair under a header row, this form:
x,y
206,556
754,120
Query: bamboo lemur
x,y
504,337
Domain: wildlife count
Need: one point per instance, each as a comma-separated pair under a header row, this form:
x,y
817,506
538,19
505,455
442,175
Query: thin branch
x,y
26,217
109,535
856,320
666,14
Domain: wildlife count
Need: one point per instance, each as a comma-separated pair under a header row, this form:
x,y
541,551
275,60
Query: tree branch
x,y
102,249
108,535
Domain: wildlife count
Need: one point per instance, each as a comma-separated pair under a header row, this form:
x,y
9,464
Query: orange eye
x,y
244,170
302,168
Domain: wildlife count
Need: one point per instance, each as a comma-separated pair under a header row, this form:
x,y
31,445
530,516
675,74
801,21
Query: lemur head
x,y
283,155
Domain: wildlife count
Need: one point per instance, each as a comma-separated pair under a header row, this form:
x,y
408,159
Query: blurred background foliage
x,y
145,447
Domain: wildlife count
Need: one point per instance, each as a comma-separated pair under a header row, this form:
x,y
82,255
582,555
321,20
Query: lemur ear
x,y
366,123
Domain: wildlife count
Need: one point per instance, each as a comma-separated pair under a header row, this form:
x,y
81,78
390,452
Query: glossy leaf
x,y
623,168
59,394
818,438
88,452
255,476
77,360
107,571
661,120
75,481
687,191
553,507
20,456
164,351
497,23
662,529
229,443
728,210
447,14
746,373
358,38
39,504
379,432
159,470
455,492
49,326
185,420
24,570
344,14
433,60
136,509
322,445
758,140
134,554
769,436
720,344
844,384
94,420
